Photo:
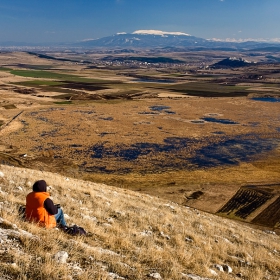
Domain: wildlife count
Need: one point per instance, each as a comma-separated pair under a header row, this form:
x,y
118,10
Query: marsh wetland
x,y
194,135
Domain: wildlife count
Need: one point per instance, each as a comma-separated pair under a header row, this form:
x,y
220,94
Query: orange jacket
x,y
35,211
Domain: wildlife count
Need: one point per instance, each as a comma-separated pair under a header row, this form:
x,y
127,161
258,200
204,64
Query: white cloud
x,y
234,40
275,40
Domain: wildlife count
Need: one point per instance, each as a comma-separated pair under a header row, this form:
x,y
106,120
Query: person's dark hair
x,y
40,186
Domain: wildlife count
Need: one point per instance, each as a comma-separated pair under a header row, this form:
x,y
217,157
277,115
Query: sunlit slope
x,y
133,236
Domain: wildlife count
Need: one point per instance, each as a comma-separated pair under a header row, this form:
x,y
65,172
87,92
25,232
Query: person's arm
x,y
50,207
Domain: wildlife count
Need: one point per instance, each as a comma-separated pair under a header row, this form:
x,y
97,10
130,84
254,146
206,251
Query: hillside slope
x,y
133,236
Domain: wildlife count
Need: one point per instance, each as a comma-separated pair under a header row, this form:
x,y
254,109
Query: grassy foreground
x,y
133,236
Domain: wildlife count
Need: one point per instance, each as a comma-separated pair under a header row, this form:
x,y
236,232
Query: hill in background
x,y
231,62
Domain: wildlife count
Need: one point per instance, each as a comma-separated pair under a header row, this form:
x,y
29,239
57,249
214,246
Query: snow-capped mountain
x,y
164,39
146,39
159,33
156,39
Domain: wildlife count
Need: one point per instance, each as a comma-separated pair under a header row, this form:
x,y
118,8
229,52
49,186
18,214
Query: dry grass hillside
x,y
132,236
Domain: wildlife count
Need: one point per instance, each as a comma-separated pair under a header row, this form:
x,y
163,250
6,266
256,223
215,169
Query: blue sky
x,y
39,21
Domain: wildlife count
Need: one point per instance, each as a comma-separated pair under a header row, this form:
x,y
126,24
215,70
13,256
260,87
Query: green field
x,y
5,69
56,76
37,66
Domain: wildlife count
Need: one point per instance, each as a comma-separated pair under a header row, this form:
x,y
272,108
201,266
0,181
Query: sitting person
x,y
41,209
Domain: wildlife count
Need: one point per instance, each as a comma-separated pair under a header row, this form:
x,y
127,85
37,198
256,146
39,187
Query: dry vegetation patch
x,y
140,128
126,126
133,236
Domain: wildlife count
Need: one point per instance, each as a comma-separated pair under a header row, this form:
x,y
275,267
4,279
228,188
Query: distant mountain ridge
x,y
145,38
164,39
153,39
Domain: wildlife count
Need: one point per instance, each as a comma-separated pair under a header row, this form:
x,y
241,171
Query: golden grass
x,y
132,236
